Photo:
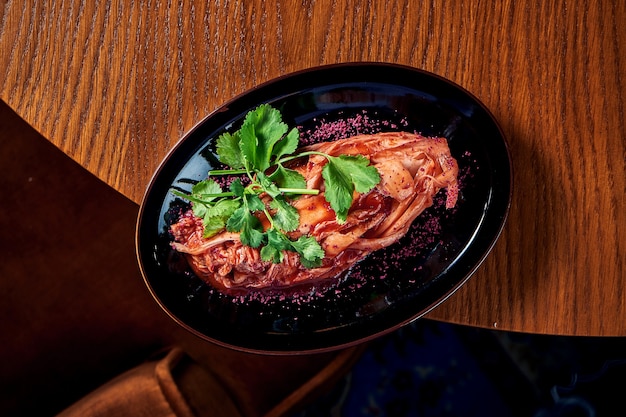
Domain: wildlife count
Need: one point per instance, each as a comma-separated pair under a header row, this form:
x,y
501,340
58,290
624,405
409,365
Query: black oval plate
x,y
391,287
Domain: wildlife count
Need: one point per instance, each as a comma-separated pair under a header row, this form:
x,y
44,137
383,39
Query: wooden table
x,y
115,84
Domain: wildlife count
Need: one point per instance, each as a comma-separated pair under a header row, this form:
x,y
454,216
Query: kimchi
x,y
412,168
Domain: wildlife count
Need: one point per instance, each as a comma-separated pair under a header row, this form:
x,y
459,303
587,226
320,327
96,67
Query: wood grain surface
x,y
115,84
77,313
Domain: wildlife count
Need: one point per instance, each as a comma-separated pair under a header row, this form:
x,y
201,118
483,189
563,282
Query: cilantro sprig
x,y
259,150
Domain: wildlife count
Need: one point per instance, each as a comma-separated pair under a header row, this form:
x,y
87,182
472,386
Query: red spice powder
x,y
360,124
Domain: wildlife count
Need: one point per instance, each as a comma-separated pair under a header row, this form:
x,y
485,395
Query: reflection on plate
x,y
392,286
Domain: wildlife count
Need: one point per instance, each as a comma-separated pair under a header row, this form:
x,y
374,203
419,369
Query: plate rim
x,y
225,106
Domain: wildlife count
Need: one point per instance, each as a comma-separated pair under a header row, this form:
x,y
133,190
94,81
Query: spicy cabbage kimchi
x,y
412,169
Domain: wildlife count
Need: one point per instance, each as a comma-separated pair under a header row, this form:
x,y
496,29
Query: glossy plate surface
x,y
391,287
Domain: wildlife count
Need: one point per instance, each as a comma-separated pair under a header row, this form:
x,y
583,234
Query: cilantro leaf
x,y
204,189
202,195
212,226
277,242
342,176
253,202
224,208
339,190
311,253
286,216
267,185
237,188
215,216
229,151
199,209
287,145
271,253
243,220
249,227
288,178
364,176
209,203
261,129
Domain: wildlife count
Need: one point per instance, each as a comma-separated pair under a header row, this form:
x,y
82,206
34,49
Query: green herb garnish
x,y
259,150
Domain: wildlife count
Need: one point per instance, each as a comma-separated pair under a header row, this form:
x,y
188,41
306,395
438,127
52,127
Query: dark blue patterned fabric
x,y
434,369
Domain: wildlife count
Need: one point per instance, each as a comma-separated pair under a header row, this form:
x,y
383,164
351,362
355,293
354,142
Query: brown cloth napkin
x,y
155,389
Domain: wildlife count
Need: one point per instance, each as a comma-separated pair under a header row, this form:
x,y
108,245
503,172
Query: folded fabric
x,y
174,386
